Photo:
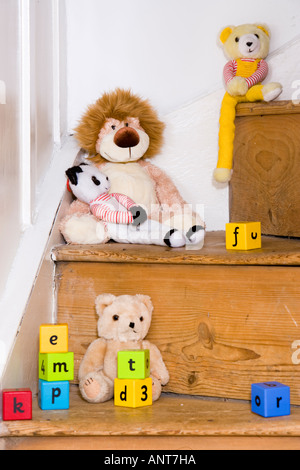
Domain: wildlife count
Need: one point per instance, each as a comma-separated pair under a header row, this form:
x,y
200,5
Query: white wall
x,y
26,120
166,50
32,179
9,137
41,91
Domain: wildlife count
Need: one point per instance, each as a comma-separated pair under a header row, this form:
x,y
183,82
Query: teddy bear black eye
x,y
141,318
237,39
116,317
95,181
113,127
126,125
256,36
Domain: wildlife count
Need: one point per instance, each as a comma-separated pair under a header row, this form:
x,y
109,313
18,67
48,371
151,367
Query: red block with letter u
x,y
16,404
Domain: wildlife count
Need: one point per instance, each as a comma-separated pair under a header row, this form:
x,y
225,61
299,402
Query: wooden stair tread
x,y
172,415
272,108
275,251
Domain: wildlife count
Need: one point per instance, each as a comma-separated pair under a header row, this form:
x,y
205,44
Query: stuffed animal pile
x,y
246,46
118,132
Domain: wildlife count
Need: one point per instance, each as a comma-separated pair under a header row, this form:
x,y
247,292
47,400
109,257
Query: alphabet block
x,y
270,399
54,338
56,367
17,404
134,364
133,393
243,236
54,395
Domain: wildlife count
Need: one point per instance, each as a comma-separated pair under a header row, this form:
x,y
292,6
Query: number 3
x,y
144,398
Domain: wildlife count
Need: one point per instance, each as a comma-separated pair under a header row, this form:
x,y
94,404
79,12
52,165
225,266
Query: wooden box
x,y
266,177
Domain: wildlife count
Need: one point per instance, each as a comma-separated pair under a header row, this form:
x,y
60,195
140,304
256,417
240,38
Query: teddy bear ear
x,y
146,300
264,28
225,33
103,301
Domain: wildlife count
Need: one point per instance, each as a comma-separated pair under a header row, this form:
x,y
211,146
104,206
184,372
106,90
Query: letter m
x,y
60,365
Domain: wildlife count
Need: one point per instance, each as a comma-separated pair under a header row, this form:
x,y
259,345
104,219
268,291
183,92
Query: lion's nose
x,y
126,137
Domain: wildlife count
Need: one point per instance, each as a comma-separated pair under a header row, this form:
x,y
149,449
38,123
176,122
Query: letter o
x,y
257,401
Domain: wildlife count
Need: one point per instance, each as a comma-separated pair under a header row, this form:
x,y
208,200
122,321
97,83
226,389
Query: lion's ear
x,y
225,33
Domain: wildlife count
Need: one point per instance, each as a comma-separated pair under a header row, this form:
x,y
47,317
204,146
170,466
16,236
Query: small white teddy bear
x,y
123,220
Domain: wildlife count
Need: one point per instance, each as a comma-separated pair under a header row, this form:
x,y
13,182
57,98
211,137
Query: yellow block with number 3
x,y
133,393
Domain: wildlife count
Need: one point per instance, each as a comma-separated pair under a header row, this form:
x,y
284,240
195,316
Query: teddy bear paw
x,y
271,91
84,229
91,388
237,86
222,175
96,388
174,238
195,234
156,389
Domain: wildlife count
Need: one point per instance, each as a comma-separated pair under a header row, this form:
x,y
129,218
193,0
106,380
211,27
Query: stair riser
x,y
219,328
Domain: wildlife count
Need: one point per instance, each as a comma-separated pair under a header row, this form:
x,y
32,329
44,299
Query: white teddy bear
x,y
123,220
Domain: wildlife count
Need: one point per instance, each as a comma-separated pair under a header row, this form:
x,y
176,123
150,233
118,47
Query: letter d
x,y
123,395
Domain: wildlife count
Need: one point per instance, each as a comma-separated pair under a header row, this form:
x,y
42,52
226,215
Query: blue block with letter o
x,y
270,399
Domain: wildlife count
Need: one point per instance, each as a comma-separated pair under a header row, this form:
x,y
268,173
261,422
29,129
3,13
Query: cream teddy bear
x,y
247,47
123,324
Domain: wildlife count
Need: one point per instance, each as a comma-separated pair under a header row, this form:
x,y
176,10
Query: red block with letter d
x,y
16,404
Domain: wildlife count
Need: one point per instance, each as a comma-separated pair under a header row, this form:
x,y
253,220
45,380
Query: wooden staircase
x,y
222,321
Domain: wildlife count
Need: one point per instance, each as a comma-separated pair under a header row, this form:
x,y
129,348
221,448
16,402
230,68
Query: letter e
x,y
53,340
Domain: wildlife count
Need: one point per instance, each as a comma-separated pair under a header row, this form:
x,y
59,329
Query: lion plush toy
x,y
118,133
123,324
246,46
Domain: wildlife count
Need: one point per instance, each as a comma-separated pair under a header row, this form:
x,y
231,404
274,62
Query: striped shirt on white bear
x,y
113,208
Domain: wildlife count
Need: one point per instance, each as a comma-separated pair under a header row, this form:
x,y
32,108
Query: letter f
x,y
236,232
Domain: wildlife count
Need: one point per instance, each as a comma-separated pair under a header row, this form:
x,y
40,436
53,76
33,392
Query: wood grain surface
x,y
219,328
275,251
272,108
150,443
171,416
265,181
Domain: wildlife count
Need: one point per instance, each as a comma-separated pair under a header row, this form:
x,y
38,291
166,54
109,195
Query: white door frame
x,y
21,302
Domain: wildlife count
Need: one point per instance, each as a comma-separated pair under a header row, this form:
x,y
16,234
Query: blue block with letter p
x,y
270,399
54,395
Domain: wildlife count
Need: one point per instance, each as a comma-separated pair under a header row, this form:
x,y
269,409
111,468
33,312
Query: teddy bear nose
x,y
127,137
131,324
249,44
